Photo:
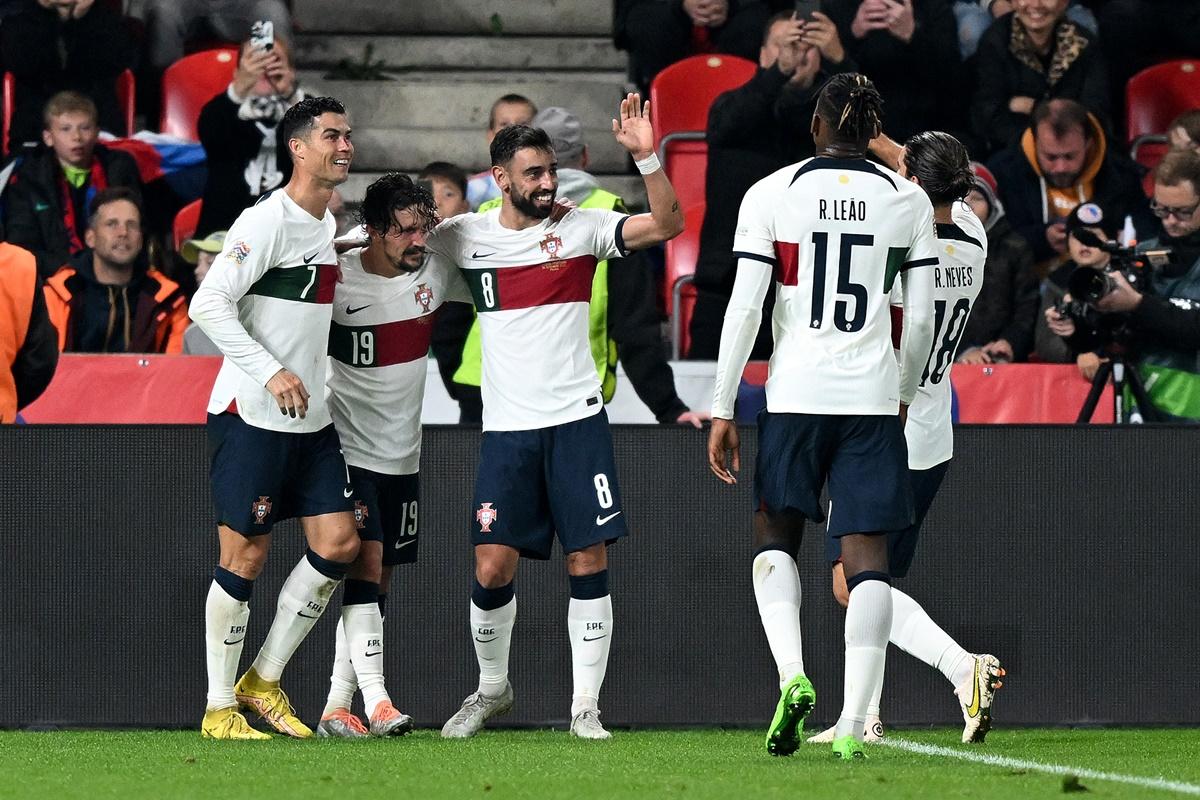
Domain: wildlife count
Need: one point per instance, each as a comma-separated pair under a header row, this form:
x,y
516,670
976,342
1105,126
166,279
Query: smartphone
x,y
262,35
426,185
805,9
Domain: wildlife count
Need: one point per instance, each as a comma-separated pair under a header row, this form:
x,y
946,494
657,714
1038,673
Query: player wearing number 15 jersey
x,y
835,232
546,463
383,313
939,164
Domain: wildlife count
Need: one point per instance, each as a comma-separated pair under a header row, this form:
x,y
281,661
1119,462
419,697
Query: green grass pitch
x,y
731,765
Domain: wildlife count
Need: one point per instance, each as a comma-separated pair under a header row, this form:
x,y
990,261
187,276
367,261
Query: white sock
x,y
302,601
589,625
224,630
777,590
877,694
868,621
364,636
343,682
492,634
918,635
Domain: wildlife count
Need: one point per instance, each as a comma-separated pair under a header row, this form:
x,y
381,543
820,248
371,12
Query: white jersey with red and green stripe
x,y
531,289
962,251
266,304
378,345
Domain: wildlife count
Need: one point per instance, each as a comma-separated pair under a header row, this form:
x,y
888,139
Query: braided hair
x,y
394,192
940,162
851,105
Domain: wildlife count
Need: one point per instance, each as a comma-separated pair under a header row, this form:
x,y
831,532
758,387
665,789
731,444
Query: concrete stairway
x,y
449,60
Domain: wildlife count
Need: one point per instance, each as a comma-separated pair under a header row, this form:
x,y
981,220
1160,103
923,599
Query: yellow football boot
x,y
227,723
269,702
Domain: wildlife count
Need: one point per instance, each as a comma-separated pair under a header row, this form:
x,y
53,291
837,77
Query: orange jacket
x,y
18,282
157,316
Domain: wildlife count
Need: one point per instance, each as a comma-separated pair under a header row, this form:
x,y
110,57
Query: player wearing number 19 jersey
x,y
546,464
835,232
384,309
939,164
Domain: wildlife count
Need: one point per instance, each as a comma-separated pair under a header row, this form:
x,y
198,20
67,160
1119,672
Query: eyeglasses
x,y
1178,212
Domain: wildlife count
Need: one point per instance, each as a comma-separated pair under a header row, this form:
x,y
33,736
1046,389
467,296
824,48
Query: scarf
x,y
98,182
1068,44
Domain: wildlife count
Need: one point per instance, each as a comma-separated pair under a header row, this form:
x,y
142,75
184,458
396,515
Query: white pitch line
x,y
1035,766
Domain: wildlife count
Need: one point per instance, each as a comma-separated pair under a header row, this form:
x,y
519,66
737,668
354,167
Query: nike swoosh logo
x,y
350,310
306,616
603,520
347,493
595,638
373,654
973,709
40,206
478,254
485,641
235,641
308,259
404,544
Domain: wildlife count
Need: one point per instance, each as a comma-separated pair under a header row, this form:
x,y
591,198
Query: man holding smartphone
x,y
170,24
239,129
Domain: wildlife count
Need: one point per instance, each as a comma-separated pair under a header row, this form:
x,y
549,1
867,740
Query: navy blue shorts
x,y
385,510
902,543
862,458
260,477
534,484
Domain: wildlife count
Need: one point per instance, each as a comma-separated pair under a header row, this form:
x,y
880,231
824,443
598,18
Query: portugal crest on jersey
x,y
424,296
261,508
485,516
551,245
360,514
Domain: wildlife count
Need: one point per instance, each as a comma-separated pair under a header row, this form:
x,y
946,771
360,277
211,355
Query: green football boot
x,y
848,748
796,702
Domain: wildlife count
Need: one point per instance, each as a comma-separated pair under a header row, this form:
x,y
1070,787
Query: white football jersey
x,y
962,250
531,290
838,233
378,346
266,304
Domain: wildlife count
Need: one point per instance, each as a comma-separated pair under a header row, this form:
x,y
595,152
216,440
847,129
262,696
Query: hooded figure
x,y
1006,308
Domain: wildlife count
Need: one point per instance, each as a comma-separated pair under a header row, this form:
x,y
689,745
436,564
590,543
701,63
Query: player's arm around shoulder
x,y
633,131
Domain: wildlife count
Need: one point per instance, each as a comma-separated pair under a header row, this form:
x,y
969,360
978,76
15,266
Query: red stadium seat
x,y
126,94
191,82
185,223
680,97
682,252
1158,94
1148,150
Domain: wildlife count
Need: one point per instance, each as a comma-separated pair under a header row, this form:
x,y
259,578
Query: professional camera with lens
x,y
1087,285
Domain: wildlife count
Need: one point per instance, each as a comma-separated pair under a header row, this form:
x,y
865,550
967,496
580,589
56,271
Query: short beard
x,y
403,264
525,204
1061,180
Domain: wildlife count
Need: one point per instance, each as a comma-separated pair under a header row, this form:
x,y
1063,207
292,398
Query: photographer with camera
x,y
1149,298
1065,342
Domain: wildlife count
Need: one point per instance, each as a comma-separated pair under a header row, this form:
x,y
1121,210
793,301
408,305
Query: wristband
x,y
648,164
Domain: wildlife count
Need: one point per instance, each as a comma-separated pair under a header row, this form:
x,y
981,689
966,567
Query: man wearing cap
x,y
625,330
1000,327
1162,315
201,253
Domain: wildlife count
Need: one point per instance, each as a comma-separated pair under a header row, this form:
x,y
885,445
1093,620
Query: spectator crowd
x,y
1034,88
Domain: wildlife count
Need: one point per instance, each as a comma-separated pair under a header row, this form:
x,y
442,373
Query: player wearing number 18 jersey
x,y
835,232
939,164
546,464
384,310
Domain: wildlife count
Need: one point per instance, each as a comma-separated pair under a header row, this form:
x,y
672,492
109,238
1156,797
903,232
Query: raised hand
x,y
633,130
